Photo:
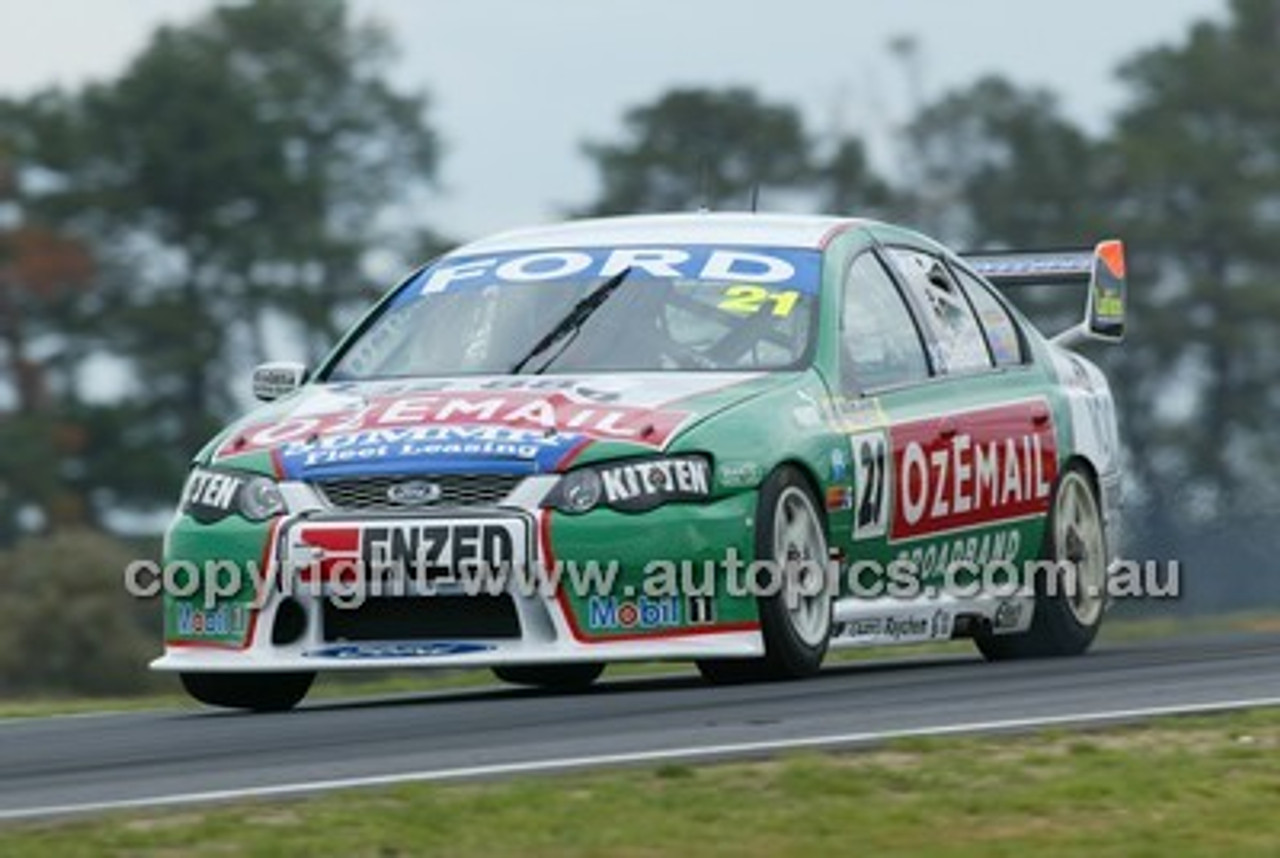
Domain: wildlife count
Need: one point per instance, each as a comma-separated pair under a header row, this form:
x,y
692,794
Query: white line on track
x,y
707,752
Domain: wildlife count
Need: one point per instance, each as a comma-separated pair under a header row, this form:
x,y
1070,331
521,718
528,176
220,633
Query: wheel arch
x,y
811,480
1081,460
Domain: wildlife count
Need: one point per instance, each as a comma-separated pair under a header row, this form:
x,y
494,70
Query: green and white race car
x,y
737,439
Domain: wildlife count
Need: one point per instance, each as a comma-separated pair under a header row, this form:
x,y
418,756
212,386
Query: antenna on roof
x,y
755,197
703,187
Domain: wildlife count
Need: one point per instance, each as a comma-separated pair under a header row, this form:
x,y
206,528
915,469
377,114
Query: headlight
x,y
211,495
632,486
579,491
260,499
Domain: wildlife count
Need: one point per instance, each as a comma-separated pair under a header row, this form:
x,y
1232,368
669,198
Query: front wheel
x,y
553,677
1071,587
795,609
259,692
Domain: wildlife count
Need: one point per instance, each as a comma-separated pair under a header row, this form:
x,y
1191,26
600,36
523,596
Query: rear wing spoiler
x,y
1102,269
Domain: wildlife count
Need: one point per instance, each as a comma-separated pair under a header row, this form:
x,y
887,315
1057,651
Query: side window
x,y
963,346
1001,331
880,345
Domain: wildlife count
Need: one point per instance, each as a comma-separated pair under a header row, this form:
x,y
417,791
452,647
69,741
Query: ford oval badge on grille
x,y
413,493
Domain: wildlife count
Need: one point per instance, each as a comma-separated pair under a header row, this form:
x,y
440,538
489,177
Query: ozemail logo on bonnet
x,y
513,409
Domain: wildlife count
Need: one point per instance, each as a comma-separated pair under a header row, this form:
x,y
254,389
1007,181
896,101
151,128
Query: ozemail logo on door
x,y
1000,464
954,471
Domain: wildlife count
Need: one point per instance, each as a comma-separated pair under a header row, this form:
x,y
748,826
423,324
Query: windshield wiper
x,y
573,320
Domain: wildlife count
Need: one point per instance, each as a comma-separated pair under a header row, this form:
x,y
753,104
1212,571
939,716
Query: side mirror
x,y
1104,314
278,378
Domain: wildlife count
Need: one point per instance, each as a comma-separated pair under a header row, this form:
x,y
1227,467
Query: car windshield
x,y
673,308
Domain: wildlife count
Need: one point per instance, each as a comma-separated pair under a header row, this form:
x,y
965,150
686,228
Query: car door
x,y
885,375
975,451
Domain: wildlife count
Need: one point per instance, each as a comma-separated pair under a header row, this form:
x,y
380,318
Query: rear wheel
x,y
259,692
795,615
555,677
1071,595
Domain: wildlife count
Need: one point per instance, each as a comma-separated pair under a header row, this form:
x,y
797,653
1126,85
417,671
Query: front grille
x,y
456,490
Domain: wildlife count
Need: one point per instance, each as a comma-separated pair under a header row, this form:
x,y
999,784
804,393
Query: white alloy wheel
x,y
800,549
1079,542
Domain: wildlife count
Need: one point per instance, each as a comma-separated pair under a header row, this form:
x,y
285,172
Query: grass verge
x,y
1184,786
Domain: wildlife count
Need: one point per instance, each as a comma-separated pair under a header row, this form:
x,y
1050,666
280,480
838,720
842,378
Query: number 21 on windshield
x,y
749,300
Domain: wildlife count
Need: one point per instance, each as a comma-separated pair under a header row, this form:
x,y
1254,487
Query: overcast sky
x,y
517,85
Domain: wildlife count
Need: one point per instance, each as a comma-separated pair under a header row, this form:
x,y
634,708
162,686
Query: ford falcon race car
x,y
741,440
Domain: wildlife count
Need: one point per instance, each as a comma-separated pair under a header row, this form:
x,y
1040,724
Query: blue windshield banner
x,y
772,267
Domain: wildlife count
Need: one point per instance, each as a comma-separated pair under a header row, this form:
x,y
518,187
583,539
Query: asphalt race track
x,y
52,766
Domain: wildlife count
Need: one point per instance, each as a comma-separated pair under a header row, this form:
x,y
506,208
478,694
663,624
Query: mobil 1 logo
x,y
701,610
871,484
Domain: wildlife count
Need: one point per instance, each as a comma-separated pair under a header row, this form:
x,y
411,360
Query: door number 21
x,y
871,483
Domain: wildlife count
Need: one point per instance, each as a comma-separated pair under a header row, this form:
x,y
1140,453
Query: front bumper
x,y
285,618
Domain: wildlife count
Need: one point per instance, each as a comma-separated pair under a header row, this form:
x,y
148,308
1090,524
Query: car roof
x,y
748,229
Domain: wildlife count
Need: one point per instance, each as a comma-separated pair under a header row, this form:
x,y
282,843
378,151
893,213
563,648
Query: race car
x,y
741,440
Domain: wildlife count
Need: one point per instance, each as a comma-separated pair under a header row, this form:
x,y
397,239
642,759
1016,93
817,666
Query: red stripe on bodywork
x,y
331,538
344,542
569,458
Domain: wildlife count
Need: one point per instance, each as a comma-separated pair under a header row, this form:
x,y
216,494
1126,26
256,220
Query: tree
x,y
700,147
1198,181
42,270
232,181
1000,164
847,184
44,274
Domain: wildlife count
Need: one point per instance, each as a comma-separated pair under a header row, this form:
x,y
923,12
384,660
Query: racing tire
x,y
552,677
796,627
258,692
1067,616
